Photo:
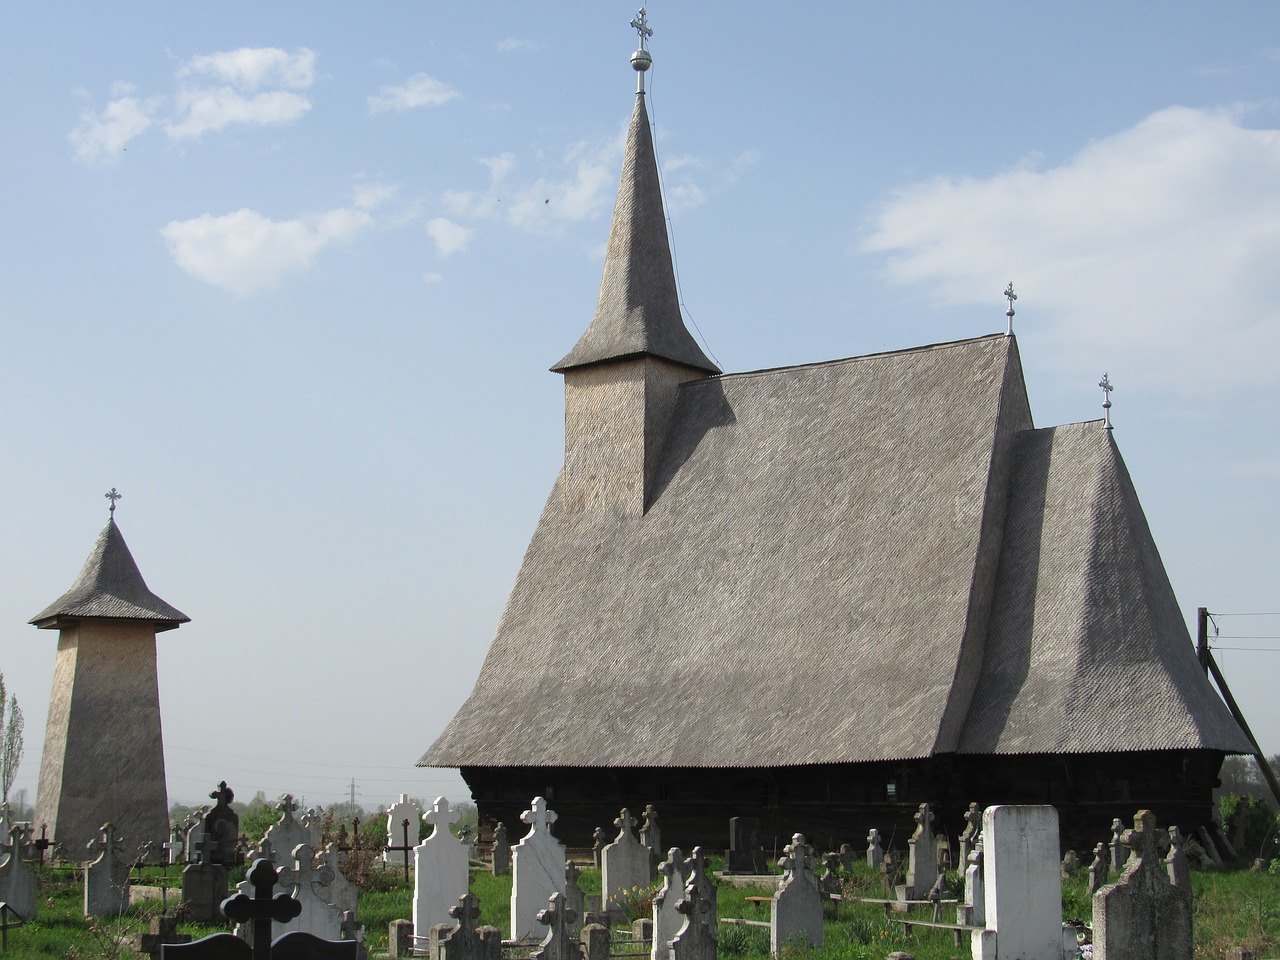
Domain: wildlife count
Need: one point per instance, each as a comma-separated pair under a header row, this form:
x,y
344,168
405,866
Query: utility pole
x,y
353,793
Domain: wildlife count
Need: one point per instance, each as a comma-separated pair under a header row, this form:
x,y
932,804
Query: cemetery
x,y
349,890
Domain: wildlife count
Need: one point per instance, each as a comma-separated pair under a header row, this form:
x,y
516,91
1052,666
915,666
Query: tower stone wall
x,y
103,756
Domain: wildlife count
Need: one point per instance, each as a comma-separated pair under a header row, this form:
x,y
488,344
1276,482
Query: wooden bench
x,y
906,904
958,930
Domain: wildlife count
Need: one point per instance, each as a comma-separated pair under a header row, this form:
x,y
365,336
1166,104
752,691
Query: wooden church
x,y
823,594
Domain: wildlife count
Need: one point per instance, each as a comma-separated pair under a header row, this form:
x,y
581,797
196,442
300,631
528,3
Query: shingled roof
x,y
110,585
638,310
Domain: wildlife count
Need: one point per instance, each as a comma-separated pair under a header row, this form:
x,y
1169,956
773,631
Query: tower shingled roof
x,y
638,311
110,585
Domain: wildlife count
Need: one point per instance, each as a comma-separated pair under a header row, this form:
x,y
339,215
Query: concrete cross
x,y
1144,839
973,822
624,823
560,917
440,816
924,819
466,911
262,908
796,859
673,866
286,806
539,816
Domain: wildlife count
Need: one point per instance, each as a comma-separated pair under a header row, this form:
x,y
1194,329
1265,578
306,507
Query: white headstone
x,y
106,876
875,853
400,811
440,869
667,920
307,884
287,832
922,863
1023,884
624,864
537,871
796,912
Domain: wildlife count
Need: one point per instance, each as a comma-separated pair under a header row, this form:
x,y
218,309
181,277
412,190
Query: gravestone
x,y
106,876
537,870
18,885
312,821
175,847
973,911
340,892
697,938
847,857
440,869
667,920
624,864
193,832
795,916
1142,916
466,941
574,898
599,840
163,930
501,857
651,838
221,827
204,887
1098,870
922,861
875,853
1070,864
746,855
309,882
596,940
1118,852
1022,884
559,943
400,811
830,883
1176,862
286,833
969,835
400,938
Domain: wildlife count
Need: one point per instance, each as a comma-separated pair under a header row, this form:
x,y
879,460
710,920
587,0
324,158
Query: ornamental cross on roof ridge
x,y
1010,296
1107,386
640,23
113,496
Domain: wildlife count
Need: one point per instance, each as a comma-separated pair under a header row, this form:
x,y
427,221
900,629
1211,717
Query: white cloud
x,y
513,44
211,110
252,67
432,277
1155,247
370,196
419,90
450,237
101,137
244,252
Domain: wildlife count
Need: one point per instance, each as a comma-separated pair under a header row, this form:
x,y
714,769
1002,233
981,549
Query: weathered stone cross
x,y
538,816
624,823
560,918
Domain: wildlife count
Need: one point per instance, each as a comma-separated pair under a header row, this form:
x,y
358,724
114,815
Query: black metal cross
x,y
405,847
262,908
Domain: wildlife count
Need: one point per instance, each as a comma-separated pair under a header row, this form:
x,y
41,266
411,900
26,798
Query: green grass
x,y
1232,909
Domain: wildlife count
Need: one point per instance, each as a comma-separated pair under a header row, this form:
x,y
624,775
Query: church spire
x,y
638,310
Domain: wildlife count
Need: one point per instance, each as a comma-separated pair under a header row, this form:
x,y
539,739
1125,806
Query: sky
x,y
290,276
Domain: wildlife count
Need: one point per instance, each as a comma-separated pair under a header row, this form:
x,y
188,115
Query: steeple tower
x,y
622,375
103,756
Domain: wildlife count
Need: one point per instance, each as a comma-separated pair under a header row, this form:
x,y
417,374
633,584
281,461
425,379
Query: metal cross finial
x,y
640,23
1010,296
113,496
1105,384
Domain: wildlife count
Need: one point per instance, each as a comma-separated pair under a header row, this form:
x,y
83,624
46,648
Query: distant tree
x,y
1241,777
10,742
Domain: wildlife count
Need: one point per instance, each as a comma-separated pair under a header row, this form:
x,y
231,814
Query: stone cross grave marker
x,y
222,826
796,911
204,887
599,840
500,859
18,885
440,868
106,876
973,911
466,941
972,830
651,837
537,870
922,859
847,857
1098,870
340,892
403,818
1176,862
624,864
1022,883
666,918
1118,852
697,938
574,898
559,943
875,853
193,832
287,832
174,846
307,880
1142,916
